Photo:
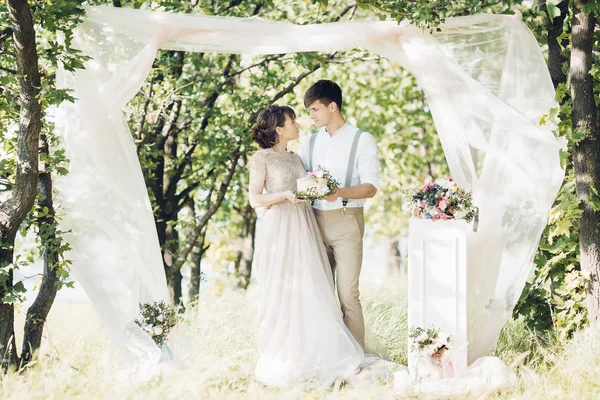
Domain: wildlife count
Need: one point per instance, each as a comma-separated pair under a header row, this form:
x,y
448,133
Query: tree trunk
x,y
8,346
243,263
196,272
171,245
394,261
556,55
38,312
15,210
185,251
586,154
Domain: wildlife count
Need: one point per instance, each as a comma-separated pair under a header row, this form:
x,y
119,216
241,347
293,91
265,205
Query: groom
x,y
350,155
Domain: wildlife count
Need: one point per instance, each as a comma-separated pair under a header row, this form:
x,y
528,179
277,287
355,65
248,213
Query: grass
x,y
222,330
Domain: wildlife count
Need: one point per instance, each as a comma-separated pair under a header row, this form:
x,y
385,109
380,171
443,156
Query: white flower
x,y
157,330
460,214
443,339
319,174
148,328
422,337
160,318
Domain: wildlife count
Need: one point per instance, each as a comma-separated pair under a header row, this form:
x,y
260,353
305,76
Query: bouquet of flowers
x,y
442,199
428,341
157,320
430,345
316,185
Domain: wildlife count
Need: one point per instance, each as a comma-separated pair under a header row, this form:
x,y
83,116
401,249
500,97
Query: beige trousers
x,y
343,236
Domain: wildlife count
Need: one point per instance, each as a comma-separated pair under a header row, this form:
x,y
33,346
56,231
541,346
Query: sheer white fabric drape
x,y
487,86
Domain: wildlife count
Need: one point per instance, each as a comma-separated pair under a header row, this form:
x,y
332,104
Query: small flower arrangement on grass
x,y
441,200
157,320
429,341
316,185
430,346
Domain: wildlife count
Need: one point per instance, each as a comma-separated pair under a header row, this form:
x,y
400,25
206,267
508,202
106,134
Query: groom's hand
x,y
333,196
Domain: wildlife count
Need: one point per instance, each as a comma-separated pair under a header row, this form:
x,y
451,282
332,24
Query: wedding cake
x,y
317,186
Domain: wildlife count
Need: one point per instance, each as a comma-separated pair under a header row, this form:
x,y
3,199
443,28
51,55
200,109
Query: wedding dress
x,y
301,332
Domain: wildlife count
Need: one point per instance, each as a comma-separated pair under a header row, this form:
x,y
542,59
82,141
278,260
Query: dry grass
x,y
223,334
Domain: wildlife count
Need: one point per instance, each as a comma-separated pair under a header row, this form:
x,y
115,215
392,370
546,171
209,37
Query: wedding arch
x,y
487,86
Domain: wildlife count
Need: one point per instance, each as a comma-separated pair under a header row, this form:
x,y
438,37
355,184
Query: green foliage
x,y
426,14
555,298
53,23
157,319
429,14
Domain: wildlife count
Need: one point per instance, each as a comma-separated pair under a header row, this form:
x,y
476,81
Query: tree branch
x,y
9,91
5,34
212,209
349,60
295,83
138,132
50,243
345,11
184,196
10,71
209,105
263,61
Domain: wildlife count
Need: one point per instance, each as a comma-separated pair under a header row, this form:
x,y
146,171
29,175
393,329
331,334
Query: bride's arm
x,y
259,199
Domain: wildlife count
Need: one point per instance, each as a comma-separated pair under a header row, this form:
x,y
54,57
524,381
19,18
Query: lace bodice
x,y
278,170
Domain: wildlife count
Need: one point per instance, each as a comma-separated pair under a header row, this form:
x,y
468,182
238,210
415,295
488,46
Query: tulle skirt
x,y
301,334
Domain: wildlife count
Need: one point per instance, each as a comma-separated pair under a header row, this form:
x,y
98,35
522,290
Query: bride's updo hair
x,y
263,133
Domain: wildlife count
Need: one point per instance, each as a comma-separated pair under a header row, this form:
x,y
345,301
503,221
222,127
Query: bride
x,y
302,335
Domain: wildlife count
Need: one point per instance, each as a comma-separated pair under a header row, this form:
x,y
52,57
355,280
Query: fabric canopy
x,y
487,86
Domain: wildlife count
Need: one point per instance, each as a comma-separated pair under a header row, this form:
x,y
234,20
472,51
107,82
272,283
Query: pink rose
x,y
442,204
441,216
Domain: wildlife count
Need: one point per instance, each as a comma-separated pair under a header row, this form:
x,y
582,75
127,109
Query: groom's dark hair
x,y
326,91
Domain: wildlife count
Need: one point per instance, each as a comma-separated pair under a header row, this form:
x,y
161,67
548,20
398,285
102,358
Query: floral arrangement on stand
x,y
316,185
430,345
441,200
157,320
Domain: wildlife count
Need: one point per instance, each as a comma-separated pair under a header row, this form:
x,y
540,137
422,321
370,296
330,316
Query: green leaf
x,y
594,198
553,11
589,7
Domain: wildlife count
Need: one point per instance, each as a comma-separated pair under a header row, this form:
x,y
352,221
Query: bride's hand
x,y
291,197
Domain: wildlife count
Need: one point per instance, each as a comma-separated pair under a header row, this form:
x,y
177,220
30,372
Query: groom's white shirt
x,y
332,152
